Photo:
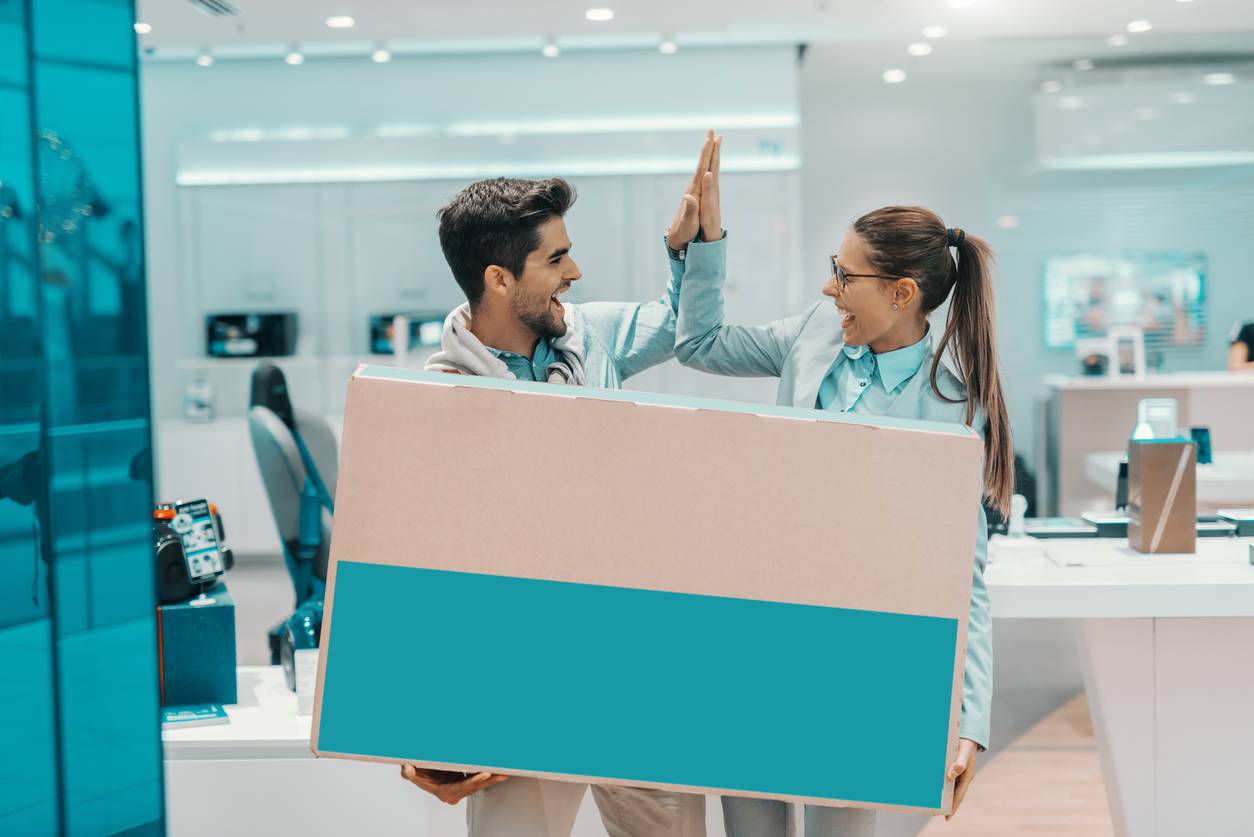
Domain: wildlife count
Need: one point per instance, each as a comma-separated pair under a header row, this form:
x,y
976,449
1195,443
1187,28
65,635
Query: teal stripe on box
x,y
638,685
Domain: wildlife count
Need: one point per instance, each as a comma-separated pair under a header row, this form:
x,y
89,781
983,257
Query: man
x,y
1241,348
506,243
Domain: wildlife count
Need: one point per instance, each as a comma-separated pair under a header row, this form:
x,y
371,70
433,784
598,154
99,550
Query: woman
x,y
869,351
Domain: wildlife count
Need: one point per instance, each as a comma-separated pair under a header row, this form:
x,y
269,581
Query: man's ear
x,y
497,280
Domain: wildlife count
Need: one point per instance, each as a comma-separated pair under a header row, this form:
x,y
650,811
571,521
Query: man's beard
x,y
537,314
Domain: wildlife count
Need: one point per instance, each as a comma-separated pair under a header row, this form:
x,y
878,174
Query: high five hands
x,y
699,209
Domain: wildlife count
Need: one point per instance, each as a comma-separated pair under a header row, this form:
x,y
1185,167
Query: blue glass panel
x,y
29,803
12,44
85,31
74,415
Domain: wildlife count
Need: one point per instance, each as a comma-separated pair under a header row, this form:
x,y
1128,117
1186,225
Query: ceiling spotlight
x,y
1184,97
550,49
341,22
1138,26
295,58
204,59
894,76
919,49
1008,222
1082,65
599,15
1217,79
1071,102
934,32
1051,86
382,55
142,28
668,46
1117,40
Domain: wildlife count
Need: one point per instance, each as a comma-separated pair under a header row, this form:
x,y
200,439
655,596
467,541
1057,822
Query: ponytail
x,y
970,332
913,241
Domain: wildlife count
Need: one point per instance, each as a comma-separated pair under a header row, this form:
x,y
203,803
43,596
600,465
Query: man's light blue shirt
x,y
868,382
535,368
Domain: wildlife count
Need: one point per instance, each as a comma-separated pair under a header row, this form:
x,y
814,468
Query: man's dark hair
x,y
496,222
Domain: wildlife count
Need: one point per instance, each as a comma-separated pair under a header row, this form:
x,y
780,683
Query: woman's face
x,y
866,303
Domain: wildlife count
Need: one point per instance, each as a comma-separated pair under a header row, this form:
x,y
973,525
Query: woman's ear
x,y
905,292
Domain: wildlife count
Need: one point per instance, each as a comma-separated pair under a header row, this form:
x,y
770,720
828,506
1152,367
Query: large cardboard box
x,y
651,591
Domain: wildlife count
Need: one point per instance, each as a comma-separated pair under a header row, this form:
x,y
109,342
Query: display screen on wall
x,y
1162,294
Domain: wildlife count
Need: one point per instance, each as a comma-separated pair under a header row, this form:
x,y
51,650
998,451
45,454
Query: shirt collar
x,y
895,367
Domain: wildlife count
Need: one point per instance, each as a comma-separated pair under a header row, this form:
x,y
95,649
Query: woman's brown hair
x,y
912,241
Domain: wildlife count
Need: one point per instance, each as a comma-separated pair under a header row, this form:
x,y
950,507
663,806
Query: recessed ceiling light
x,y
1082,65
341,22
894,76
1051,86
919,49
382,55
1138,26
668,46
1008,222
1217,79
1071,102
1117,40
295,58
550,49
1183,97
599,15
142,28
934,32
204,60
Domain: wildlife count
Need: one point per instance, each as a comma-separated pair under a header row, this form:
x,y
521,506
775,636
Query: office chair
x,y
296,453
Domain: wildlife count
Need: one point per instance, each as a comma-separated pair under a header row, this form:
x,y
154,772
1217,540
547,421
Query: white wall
x,y
380,152
966,148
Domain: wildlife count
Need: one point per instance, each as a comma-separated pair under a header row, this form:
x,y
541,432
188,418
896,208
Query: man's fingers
x,y
715,153
689,208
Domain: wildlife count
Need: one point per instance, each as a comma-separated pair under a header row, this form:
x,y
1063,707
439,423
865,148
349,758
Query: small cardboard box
x,y
644,590
1162,495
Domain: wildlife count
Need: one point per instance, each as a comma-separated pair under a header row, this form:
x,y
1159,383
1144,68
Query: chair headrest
x,y
269,389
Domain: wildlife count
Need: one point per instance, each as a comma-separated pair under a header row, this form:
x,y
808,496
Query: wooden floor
x,y
1048,782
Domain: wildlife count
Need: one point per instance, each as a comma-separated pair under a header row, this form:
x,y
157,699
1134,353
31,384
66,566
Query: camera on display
x,y
189,543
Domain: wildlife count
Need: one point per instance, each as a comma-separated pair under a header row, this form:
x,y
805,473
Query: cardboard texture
x,y
659,592
1162,495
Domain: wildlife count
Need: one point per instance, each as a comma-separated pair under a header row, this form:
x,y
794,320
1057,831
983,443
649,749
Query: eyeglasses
x,y
842,278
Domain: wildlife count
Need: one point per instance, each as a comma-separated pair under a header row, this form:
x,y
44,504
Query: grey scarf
x,y
461,351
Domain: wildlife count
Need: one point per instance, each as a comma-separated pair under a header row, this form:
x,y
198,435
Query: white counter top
x,y
264,724
1165,380
1096,578
1228,480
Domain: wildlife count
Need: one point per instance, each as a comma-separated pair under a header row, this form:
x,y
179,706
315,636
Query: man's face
x,y
547,274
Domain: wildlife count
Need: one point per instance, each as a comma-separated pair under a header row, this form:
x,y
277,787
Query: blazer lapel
x,y
822,352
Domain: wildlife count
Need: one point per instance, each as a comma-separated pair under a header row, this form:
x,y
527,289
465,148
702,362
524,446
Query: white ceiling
x,y
267,26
